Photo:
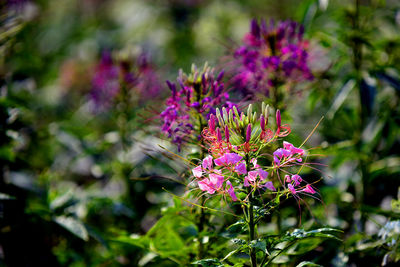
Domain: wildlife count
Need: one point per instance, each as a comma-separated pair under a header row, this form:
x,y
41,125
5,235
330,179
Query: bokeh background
x,y
79,175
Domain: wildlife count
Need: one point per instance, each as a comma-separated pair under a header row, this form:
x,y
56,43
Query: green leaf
x,y
73,225
307,263
236,228
133,240
63,201
259,245
209,263
239,241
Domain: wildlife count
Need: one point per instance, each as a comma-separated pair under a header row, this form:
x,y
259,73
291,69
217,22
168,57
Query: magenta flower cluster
x,y
231,174
138,78
190,105
230,166
272,54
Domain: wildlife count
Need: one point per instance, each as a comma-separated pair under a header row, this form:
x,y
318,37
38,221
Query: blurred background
x,y
80,173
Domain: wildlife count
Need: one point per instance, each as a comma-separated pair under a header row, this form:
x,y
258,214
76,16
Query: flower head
x,y
197,100
139,78
272,54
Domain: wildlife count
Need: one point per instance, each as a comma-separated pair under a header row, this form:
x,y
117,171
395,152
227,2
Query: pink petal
x,y
297,179
292,190
220,161
231,192
197,172
208,163
309,189
246,182
216,180
270,186
241,168
233,158
204,185
252,176
263,174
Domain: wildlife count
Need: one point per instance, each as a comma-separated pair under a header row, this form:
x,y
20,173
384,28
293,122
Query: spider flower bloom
x,y
288,154
190,106
233,166
272,55
140,80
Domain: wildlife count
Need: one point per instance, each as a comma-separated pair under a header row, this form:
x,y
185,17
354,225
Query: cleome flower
x,y
232,164
189,108
137,77
273,54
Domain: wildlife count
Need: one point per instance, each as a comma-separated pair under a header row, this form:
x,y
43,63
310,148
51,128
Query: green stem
x,y
357,65
253,257
200,226
251,224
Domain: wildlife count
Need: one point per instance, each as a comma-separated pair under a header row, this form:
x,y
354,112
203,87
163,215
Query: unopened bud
x,y
172,87
219,137
220,76
211,123
227,133
278,118
262,122
248,133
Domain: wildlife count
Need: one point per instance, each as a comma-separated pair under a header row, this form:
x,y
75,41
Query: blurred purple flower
x,y
109,77
272,54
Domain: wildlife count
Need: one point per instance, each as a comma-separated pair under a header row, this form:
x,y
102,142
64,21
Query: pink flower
x,y
309,189
289,153
211,184
297,179
231,192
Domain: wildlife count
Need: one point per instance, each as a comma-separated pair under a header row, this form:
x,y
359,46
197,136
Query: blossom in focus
x,y
233,164
193,100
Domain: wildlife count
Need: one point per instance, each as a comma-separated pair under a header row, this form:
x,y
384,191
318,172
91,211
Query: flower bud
x,y
227,133
262,122
211,123
218,90
278,118
255,29
204,83
172,87
220,76
219,137
248,133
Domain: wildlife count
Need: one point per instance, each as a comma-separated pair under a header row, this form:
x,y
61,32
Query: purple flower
x,y
110,76
200,92
272,54
289,153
